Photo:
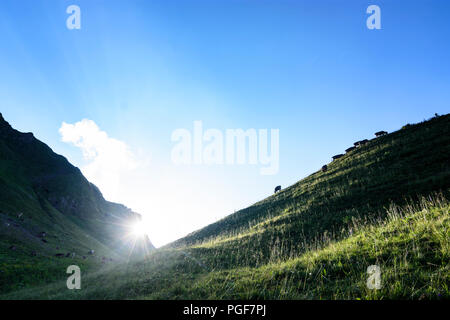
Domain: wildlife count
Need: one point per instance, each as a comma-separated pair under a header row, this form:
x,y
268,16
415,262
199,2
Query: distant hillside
x,y
385,203
412,161
41,191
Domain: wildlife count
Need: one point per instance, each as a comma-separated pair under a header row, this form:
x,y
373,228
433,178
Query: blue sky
x,y
141,69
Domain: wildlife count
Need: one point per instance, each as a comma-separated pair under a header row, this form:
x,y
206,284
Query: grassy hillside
x,y
403,165
41,191
313,240
411,246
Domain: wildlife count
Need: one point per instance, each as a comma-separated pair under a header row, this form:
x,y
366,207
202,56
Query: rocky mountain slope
x,y
48,207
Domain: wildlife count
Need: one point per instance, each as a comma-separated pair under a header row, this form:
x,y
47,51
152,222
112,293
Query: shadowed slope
x,y
41,191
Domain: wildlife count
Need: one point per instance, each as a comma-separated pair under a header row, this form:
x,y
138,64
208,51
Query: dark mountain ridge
x,y
41,191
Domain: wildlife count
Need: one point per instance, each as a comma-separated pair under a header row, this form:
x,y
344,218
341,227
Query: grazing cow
x,y
42,234
324,168
43,240
91,252
277,189
380,133
59,255
350,149
360,143
34,253
337,156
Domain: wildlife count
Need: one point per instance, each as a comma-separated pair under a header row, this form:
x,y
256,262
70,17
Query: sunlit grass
x,y
411,246
313,240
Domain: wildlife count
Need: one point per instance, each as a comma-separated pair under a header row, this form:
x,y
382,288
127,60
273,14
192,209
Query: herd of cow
x,y
72,255
356,145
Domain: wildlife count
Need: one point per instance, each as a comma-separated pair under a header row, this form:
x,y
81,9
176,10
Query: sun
x,y
138,229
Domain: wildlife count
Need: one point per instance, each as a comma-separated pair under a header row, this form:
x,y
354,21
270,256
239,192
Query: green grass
x,y
323,206
312,240
401,165
411,246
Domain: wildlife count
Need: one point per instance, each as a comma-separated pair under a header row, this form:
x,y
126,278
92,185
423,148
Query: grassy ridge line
x,y
412,247
401,165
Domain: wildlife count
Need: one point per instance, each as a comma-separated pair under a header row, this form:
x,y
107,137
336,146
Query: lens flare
x,y
138,229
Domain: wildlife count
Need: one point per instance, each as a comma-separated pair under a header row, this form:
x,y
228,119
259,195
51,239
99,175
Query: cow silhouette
x,y
360,143
380,133
277,189
337,156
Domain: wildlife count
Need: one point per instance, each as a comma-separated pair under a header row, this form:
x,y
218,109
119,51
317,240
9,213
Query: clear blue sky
x,y
141,69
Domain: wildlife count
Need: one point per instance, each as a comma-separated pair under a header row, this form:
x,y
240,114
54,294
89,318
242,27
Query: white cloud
x,y
173,201
108,160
